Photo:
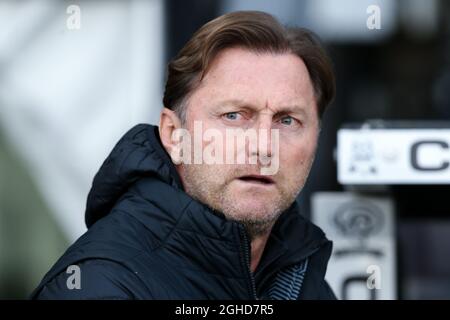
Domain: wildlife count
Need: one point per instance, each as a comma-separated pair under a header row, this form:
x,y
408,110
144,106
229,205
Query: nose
x,y
263,150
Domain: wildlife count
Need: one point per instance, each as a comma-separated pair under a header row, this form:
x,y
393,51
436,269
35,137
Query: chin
x,y
254,209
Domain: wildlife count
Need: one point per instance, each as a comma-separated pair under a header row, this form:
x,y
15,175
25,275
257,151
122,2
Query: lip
x,y
257,179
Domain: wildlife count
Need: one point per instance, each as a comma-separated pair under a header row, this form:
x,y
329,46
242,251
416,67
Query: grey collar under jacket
x,y
148,239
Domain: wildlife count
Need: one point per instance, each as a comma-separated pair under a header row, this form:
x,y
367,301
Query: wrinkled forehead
x,y
238,76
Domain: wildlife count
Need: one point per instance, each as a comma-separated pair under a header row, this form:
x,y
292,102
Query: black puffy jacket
x,y
147,239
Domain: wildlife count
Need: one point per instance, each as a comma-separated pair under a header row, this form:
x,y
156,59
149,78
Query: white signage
x,y
362,265
393,156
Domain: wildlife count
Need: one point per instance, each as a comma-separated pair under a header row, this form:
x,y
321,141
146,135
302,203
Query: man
x,y
168,219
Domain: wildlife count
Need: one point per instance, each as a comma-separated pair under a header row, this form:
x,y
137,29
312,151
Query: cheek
x,y
297,157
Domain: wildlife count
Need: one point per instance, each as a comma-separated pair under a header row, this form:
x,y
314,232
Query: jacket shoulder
x,y
91,279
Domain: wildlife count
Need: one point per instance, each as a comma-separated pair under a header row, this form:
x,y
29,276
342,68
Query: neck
x,y
258,244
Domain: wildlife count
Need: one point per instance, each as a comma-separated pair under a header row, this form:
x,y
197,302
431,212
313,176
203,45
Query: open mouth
x,y
257,179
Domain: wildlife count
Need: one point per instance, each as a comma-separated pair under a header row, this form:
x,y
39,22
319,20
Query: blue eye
x,y
287,120
231,115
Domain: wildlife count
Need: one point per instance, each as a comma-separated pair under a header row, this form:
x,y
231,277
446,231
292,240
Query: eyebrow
x,y
242,103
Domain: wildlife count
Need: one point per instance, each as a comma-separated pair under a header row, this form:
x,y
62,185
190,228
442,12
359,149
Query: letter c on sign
x,y
415,149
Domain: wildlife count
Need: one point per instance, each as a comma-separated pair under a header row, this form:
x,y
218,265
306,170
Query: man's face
x,y
253,91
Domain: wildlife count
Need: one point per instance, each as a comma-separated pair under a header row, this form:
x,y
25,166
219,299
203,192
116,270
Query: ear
x,y
168,122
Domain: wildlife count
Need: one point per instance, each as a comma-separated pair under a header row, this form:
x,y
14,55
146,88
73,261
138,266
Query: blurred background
x,y
75,75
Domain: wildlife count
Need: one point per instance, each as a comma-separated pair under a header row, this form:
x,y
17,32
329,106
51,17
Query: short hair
x,y
257,31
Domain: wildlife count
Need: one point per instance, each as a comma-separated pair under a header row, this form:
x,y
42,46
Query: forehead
x,y
262,78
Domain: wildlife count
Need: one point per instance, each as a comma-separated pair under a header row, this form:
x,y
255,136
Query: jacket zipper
x,y
263,283
247,259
